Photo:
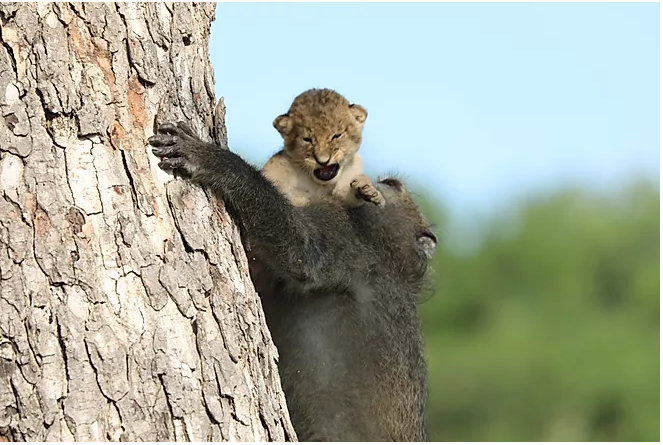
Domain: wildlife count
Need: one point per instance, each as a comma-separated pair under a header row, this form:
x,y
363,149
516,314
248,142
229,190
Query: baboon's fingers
x,y
173,163
185,128
162,140
168,128
167,151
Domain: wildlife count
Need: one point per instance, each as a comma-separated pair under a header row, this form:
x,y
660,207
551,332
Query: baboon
x,y
339,286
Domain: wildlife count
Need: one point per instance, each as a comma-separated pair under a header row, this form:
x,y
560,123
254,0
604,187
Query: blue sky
x,y
479,102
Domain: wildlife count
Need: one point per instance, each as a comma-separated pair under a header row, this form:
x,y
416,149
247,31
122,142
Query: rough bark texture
x,y
126,308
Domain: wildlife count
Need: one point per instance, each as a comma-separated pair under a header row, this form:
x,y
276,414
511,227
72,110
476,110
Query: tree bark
x,y
126,307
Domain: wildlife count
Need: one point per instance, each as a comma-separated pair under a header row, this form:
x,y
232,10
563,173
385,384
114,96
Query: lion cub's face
x,y
321,132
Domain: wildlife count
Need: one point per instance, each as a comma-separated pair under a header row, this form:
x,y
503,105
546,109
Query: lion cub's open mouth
x,y
326,173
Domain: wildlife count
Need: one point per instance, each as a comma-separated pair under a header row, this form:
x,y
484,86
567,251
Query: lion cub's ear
x,y
283,124
359,113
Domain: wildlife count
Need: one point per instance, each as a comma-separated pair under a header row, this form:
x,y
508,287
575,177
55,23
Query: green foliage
x,y
550,329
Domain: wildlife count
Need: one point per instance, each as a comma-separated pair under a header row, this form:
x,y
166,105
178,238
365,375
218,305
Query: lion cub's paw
x,y
364,189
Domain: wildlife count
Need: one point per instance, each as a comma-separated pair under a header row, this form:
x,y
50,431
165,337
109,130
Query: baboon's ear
x,y
283,124
427,242
359,113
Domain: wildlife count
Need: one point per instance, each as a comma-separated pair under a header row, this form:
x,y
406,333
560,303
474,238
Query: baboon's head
x,y
322,132
409,239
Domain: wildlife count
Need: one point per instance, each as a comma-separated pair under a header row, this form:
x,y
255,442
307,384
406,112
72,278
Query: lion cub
x,y
321,132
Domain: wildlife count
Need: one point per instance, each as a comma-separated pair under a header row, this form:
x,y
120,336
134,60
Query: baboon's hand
x,y
180,150
364,189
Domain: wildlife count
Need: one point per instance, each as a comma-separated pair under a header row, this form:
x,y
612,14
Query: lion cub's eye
x,y
336,136
309,140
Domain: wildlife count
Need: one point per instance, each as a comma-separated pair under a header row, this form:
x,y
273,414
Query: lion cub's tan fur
x,y
321,129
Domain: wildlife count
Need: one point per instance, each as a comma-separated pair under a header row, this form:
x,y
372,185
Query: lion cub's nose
x,y
321,162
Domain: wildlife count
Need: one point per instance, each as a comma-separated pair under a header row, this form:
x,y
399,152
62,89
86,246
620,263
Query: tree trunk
x,y
126,308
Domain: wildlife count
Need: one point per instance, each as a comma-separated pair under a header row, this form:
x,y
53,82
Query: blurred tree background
x,y
549,330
